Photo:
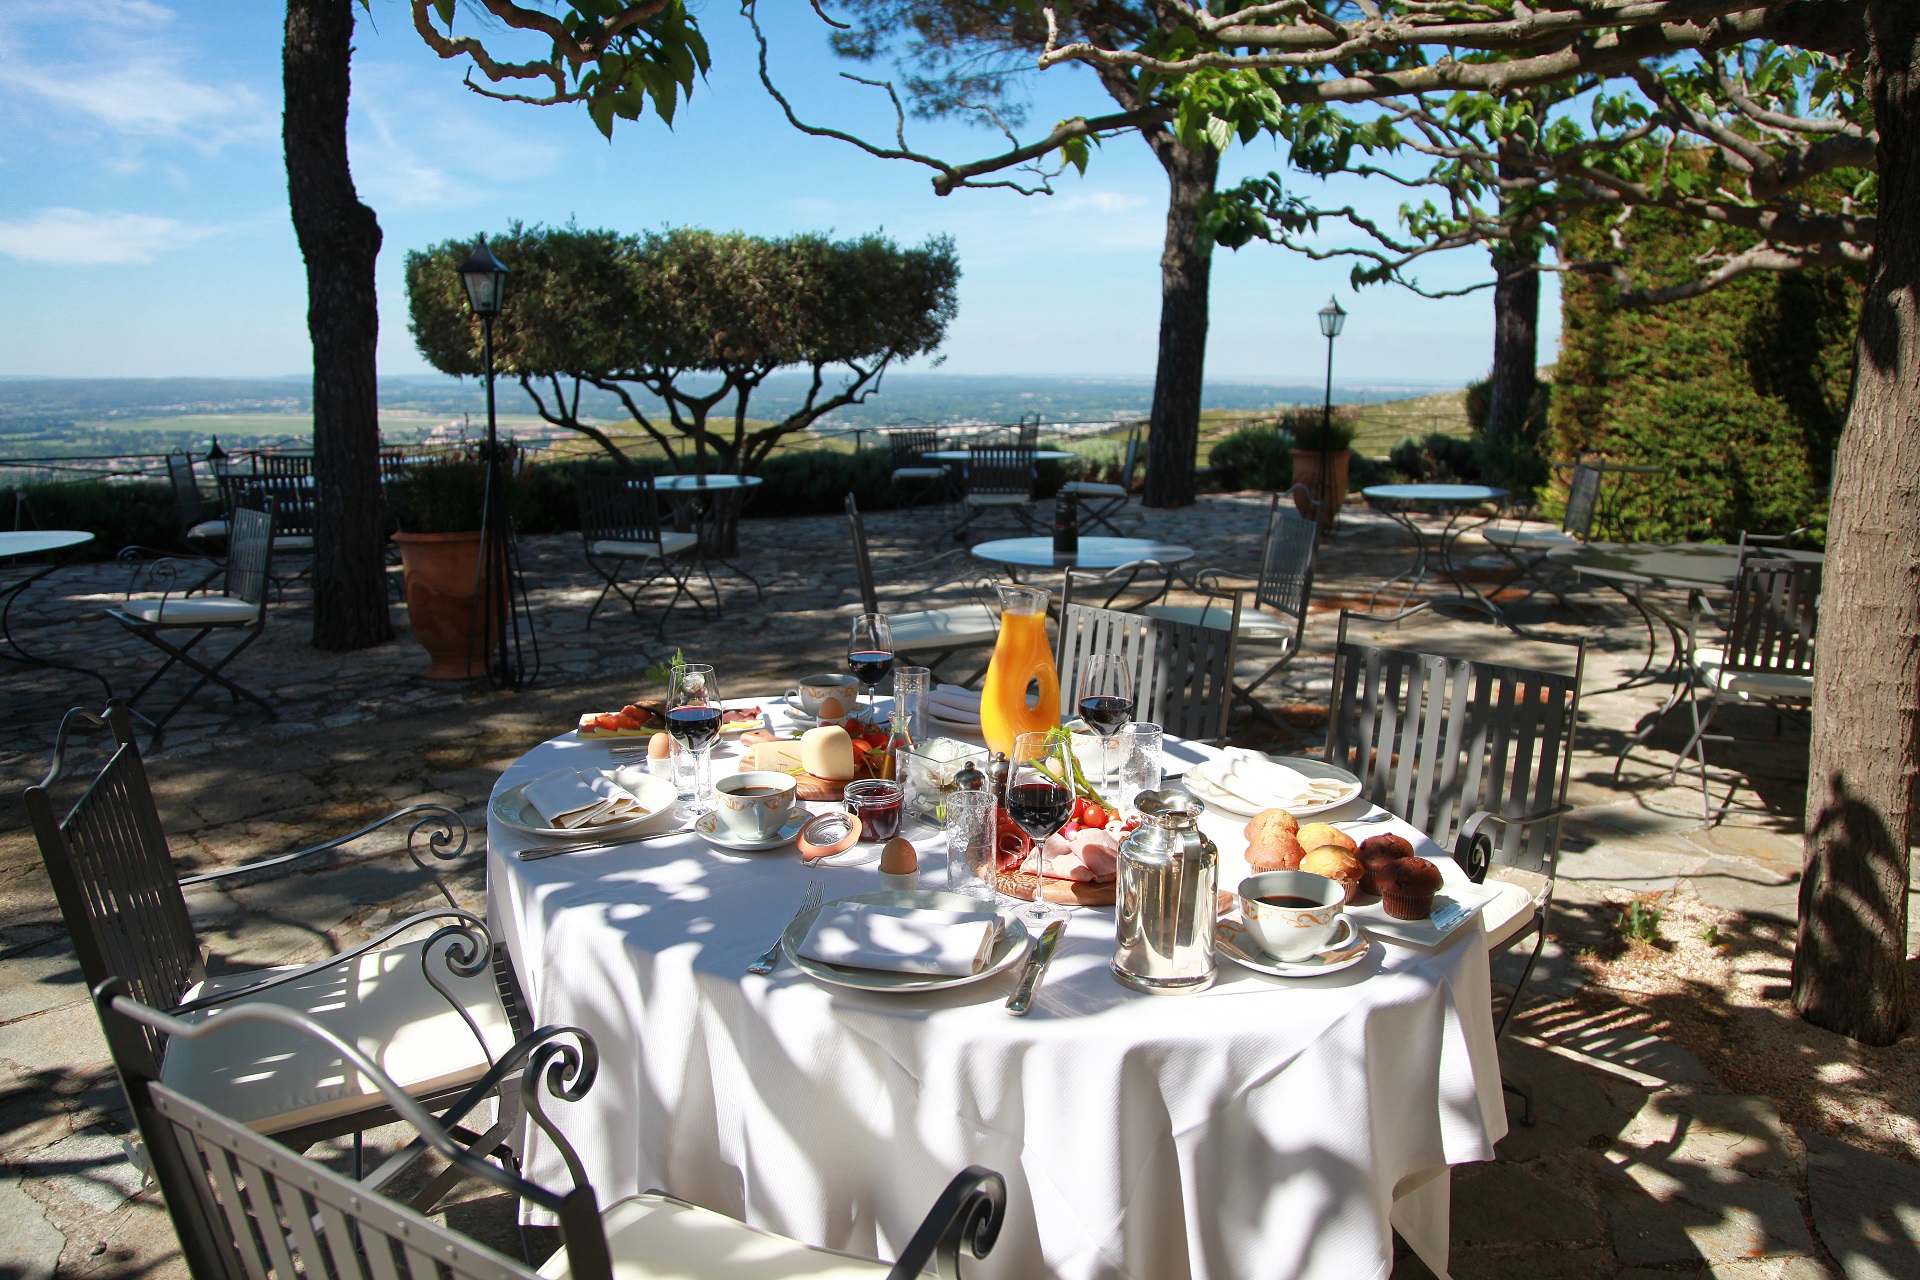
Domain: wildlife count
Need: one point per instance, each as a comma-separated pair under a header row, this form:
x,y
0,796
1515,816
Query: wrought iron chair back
x,y
1183,674
295,465
1028,434
1000,469
1286,572
1583,501
187,503
862,559
249,553
910,444
1442,741
618,509
1775,616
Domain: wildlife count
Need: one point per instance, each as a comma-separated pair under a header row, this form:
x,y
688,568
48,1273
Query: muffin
x,y
1335,864
1407,886
1377,852
1275,850
1271,820
1318,835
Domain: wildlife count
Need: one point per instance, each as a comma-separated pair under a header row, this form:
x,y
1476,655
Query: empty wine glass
x,y
1106,702
1040,794
870,651
693,719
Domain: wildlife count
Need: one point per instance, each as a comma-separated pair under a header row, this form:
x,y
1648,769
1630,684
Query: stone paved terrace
x,y
1643,1163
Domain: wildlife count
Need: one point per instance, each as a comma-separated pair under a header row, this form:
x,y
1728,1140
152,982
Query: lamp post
x,y
500,601
1332,319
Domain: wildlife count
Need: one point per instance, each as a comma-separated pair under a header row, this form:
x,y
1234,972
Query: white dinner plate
x,y
1196,783
712,828
969,727
1372,916
1233,939
1007,950
656,794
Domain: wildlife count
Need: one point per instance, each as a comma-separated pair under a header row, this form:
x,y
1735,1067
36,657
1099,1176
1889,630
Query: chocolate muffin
x,y
1407,886
1377,852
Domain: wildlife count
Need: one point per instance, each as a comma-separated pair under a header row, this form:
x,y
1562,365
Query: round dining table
x,y
28,544
1457,503
1264,1127
962,455
710,505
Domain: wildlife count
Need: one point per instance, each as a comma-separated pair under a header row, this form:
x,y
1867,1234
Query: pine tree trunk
x,y
339,238
1516,342
1186,266
1849,972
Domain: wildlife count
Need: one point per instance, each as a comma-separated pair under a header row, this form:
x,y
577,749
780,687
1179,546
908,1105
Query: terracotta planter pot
x,y
442,572
1306,470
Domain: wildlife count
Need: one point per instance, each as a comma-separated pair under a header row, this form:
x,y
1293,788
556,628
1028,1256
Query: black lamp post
x,y
1332,319
501,600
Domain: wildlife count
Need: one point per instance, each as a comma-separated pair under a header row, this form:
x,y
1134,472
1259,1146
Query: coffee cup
x,y
1295,914
814,689
755,805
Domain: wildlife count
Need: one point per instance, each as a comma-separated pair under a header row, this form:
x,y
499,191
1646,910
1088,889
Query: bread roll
x,y
827,752
1317,835
1271,820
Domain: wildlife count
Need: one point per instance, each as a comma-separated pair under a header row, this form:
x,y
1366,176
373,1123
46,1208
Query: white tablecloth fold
x,y
865,935
574,798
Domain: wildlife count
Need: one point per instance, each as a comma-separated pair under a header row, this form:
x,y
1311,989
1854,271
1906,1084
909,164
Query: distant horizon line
x,y
1127,378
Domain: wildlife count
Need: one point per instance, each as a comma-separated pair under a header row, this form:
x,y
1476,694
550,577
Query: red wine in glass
x,y
694,727
869,666
1106,713
1041,808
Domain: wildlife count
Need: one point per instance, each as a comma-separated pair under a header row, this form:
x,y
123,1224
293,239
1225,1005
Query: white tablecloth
x,y
1261,1129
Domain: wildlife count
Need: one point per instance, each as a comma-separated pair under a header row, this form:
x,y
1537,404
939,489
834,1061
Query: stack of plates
x,y
955,709
1243,782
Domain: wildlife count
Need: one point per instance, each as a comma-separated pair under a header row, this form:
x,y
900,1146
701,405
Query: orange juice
x,y
1021,658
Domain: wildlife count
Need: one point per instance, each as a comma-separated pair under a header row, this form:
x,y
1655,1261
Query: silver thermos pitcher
x,y
1169,873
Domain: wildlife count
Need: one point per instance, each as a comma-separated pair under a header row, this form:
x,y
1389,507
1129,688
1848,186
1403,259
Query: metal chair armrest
x,y
1473,848
445,829
967,1215
166,573
470,925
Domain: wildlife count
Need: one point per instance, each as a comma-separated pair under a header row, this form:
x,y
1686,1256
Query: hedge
x,y
1741,392
119,514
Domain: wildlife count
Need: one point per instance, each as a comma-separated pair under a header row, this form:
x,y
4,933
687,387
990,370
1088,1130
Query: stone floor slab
x,y
1866,1208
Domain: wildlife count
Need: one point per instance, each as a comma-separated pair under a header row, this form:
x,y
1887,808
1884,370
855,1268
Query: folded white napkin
x,y
862,935
951,702
569,799
1260,781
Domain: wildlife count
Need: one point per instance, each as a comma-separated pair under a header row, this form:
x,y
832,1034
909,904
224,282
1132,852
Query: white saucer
x,y
1232,939
711,828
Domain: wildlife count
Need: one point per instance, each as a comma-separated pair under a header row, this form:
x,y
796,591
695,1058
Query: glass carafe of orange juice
x,y
1022,660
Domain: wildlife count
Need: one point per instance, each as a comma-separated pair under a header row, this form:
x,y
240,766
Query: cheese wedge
x,y
781,755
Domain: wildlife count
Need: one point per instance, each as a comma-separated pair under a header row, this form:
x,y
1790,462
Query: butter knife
x,y
536,852
1036,966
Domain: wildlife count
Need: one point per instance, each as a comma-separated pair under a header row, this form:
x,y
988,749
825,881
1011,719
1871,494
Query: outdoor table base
x,y
1457,502
32,543
710,506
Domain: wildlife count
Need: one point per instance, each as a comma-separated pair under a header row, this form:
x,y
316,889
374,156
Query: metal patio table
x,y
961,455
1094,553
1636,568
710,506
20,545
1456,502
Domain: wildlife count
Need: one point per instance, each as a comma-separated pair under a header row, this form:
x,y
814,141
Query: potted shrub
x,y
1304,424
438,506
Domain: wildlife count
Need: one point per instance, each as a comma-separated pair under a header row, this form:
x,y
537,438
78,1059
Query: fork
x,y
771,956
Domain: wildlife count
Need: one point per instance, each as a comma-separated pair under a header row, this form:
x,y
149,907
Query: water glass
x,y
910,688
969,844
1140,767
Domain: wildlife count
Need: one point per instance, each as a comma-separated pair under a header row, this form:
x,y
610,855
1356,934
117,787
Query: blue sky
x,y
144,228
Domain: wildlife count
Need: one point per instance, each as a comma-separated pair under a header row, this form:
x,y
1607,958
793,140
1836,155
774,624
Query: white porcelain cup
x,y
815,689
755,805
1315,922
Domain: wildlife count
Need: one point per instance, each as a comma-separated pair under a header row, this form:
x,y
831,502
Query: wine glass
x,y
1040,793
693,718
1106,702
870,651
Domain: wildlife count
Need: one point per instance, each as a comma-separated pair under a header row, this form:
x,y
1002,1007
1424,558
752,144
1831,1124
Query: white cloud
x,y
78,238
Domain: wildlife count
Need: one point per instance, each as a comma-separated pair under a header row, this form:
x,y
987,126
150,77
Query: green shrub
x,y
1437,458
118,513
443,496
1253,457
1302,423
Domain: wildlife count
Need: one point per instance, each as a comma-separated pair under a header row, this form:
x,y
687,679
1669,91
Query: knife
x,y
536,852
1036,966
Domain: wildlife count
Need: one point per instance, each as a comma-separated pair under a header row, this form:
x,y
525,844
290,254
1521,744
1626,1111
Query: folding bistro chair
x,y
1277,622
1530,546
1475,754
239,611
928,636
914,477
1183,674
245,1209
1100,503
998,477
188,506
437,1013
620,524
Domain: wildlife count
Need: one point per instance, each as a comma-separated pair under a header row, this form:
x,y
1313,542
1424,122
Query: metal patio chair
x,y
245,1209
1529,547
1100,503
239,611
914,477
291,496
1183,674
620,525
438,1013
998,477
1475,754
1277,621
928,636
188,506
